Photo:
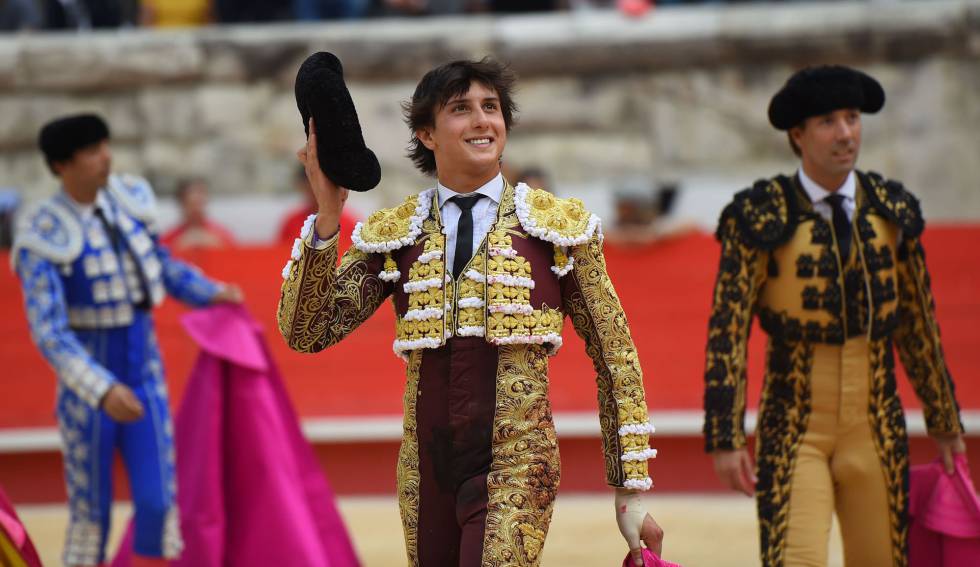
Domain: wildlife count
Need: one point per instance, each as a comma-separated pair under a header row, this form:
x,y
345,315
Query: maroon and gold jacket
x,y
541,260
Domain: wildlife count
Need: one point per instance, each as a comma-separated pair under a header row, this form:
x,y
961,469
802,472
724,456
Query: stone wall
x,y
680,94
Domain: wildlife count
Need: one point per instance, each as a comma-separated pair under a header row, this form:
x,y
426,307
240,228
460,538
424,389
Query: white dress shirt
x,y
484,214
86,211
817,195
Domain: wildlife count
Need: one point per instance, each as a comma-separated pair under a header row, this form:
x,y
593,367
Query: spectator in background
x,y
292,224
252,11
18,15
311,10
9,202
196,230
175,13
430,7
645,218
524,6
86,14
535,177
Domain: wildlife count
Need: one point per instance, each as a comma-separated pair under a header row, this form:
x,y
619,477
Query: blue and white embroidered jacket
x,y
80,274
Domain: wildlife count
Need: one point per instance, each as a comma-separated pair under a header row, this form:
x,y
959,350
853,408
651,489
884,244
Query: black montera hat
x,y
321,93
62,137
818,90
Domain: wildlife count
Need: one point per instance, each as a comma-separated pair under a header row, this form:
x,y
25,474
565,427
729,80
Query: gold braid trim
x,y
919,345
408,461
891,441
524,476
319,304
740,276
598,318
783,416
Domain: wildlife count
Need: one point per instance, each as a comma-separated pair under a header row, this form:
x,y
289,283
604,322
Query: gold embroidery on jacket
x,y
919,346
888,431
783,415
741,274
525,472
598,318
320,304
428,305
408,460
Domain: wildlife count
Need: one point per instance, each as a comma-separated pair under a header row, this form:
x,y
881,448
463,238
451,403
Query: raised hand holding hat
x,y
322,95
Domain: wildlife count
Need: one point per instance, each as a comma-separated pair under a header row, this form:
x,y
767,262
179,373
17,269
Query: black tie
x,y
464,231
118,239
842,226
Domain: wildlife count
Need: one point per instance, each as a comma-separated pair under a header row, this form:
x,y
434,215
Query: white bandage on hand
x,y
630,514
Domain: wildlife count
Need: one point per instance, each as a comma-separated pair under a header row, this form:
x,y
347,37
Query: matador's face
x,y
469,133
829,143
88,169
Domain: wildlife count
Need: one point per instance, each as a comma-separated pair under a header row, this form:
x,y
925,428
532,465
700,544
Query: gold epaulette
x,y
564,222
394,228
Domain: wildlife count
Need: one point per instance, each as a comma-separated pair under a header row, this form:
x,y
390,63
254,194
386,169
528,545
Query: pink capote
x,y
16,534
650,559
250,490
945,516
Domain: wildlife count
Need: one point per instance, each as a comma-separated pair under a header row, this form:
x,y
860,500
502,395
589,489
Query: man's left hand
x,y
228,293
950,445
636,525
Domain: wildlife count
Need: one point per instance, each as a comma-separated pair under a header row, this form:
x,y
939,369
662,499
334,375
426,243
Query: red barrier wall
x,y
665,289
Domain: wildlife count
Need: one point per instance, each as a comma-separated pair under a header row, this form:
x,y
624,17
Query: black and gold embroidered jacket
x,y
780,262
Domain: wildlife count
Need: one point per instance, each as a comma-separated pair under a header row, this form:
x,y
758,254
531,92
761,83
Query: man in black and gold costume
x,y
481,275
831,261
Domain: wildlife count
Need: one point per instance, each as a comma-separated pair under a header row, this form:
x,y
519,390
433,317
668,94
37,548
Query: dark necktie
x,y
464,231
842,226
121,246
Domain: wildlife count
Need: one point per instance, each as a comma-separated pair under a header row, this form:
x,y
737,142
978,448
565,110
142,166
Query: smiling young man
x,y
91,271
831,262
481,275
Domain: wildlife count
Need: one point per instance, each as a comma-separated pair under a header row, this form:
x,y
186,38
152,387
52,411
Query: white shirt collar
x,y
86,210
493,189
818,194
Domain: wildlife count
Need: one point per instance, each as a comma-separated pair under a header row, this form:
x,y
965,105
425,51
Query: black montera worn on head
x,y
62,137
322,94
818,90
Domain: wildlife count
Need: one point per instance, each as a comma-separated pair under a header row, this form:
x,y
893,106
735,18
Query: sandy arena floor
x,y
709,531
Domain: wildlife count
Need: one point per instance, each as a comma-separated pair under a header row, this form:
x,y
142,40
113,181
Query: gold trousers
x,y
837,467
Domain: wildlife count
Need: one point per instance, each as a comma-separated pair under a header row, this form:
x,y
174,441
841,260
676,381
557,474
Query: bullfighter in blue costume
x,y
91,271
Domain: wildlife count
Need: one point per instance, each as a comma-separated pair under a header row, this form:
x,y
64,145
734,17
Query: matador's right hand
x,y
329,197
735,469
121,404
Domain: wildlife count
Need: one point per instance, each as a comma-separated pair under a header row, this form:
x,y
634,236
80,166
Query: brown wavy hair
x,y
440,85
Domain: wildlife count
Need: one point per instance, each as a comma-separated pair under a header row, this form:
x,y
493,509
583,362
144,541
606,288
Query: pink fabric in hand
x,y
945,516
650,559
11,526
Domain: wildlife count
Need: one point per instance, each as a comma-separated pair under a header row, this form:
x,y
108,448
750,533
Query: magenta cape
x,y
650,559
945,516
250,490
15,545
